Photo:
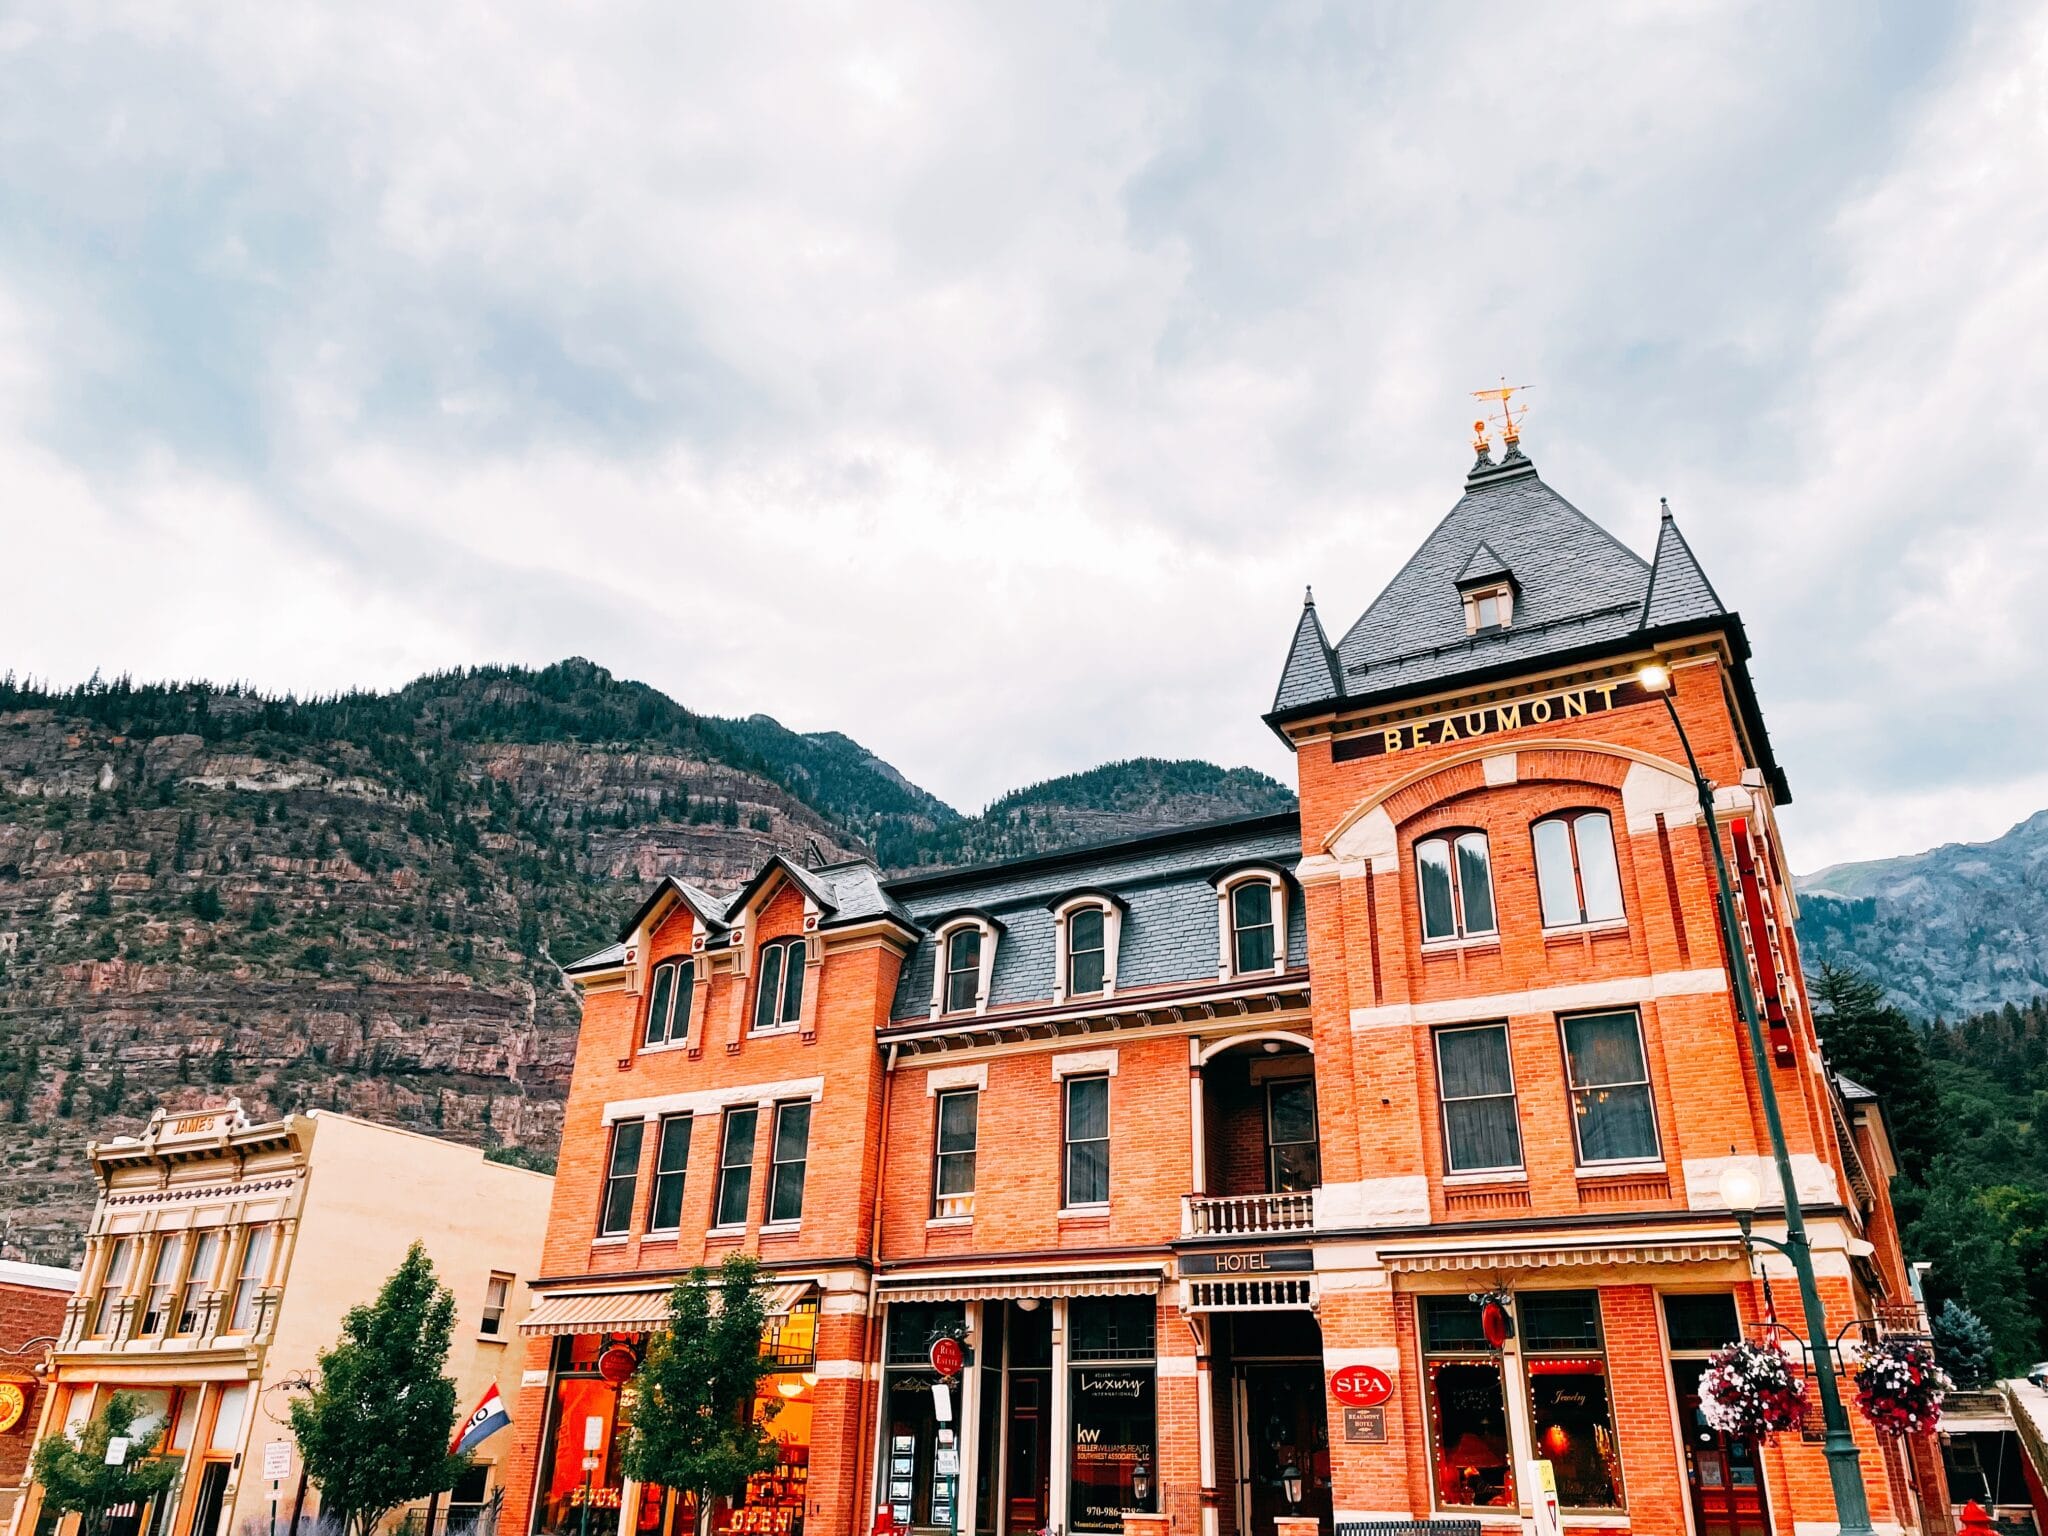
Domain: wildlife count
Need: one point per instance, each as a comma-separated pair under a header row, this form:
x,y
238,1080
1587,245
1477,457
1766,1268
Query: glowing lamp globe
x,y
1740,1187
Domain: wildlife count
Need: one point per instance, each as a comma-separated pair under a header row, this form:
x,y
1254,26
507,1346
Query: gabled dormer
x,y
1487,588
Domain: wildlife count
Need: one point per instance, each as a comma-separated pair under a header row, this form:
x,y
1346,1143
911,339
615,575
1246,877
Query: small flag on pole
x,y
490,1417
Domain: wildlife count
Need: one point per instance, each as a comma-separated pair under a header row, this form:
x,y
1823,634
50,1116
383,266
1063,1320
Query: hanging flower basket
x,y
1900,1388
1750,1391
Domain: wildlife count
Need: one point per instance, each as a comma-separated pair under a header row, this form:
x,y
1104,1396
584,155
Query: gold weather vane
x,y
1509,416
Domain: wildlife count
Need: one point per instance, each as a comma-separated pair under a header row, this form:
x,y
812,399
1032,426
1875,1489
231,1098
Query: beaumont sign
x,y
1490,719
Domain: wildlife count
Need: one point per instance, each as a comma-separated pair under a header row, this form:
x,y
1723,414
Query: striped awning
x,y
1017,1285
634,1311
1561,1255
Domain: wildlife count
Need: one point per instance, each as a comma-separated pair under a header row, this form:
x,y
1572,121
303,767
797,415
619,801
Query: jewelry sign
x,y
1552,708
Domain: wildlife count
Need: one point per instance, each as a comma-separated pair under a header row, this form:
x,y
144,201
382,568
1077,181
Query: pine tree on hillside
x,y
1879,1047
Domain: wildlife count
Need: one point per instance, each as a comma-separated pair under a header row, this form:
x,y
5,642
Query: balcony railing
x,y
1246,1215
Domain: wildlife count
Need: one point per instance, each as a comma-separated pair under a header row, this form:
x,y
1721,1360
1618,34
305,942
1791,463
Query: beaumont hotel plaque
x,y
1489,719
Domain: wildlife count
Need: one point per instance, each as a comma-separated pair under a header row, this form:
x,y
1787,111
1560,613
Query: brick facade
x,y
1568,1151
32,1300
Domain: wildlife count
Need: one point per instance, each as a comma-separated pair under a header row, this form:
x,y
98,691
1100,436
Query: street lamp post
x,y
1845,1462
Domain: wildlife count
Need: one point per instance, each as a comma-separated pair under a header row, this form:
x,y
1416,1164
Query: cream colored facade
x,y
221,1259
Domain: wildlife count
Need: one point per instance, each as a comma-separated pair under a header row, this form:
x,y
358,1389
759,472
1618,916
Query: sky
x,y
987,381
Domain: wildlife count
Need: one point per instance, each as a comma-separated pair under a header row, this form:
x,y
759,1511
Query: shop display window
x,y
1468,1416
1571,1415
1114,1408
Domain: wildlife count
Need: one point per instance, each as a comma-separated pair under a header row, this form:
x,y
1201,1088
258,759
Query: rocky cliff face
x,y
359,902
1952,931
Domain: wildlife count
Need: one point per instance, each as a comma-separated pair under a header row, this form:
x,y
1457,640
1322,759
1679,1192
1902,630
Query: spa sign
x,y
1553,708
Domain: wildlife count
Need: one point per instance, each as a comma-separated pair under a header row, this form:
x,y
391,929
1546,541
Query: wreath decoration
x,y
1899,1388
1750,1391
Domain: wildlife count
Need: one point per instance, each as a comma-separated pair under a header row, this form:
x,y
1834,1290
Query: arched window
x,y
1577,877
1087,926
1252,917
963,967
779,995
1454,879
669,996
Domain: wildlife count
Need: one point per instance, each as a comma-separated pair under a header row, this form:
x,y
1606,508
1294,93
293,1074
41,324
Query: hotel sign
x,y
1252,1261
1446,730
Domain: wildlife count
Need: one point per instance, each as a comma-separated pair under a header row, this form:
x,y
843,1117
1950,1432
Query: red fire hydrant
x,y
1974,1518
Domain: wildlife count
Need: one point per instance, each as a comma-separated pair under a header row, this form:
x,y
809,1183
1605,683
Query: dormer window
x,y
1087,927
1489,607
779,995
1252,907
964,963
963,969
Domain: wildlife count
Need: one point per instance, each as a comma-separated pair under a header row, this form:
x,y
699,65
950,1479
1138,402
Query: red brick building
x,y
1205,1143
32,1301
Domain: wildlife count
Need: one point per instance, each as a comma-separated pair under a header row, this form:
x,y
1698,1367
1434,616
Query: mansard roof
x,y
1161,882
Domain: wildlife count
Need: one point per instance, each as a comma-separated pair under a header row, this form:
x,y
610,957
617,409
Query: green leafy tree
x,y
374,1429
1964,1346
1972,1261
695,1420
73,1469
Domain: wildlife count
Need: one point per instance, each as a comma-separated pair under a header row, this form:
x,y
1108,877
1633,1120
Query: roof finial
x,y
1481,446
1664,504
1308,597
1510,418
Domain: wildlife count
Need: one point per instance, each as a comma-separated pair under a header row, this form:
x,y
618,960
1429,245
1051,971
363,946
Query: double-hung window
x,y
249,1277
953,1158
791,1156
671,1164
963,969
1612,1115
1087,1141
163,1282
621,1179
1577,878
1251,927
497,1296
1477,1083
779,999
1293,1158
113,1281
736,1167
1454,877
1087,953
200,1269
668,1003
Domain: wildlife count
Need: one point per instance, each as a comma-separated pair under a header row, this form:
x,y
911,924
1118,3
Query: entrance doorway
x,y
213,1487
1726,1481
1282,1429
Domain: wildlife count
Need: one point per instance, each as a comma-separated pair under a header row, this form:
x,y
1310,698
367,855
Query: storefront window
x,y
920,1451
581,1395
1111,1351
1570,1415
1468,1417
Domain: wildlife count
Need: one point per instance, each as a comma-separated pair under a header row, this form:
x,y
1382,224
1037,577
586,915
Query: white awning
x,y
1017,1285
1561,1255
634,1311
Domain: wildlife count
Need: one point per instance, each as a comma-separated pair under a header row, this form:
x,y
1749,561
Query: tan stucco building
x,y
221,1259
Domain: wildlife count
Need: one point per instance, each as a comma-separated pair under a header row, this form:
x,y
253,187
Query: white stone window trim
x,y
1486,1176
1621,1168
947,1079
1094,1211
942,941
1084,1064
1602,925
1112,935
1226,927
713,1101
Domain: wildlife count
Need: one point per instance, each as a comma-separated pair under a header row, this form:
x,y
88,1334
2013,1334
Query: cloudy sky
x,y
986,381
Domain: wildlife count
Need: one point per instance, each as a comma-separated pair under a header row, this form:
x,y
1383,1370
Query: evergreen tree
x,y
1964,1346
1880,1048
374,1429
73,1469
696,1425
